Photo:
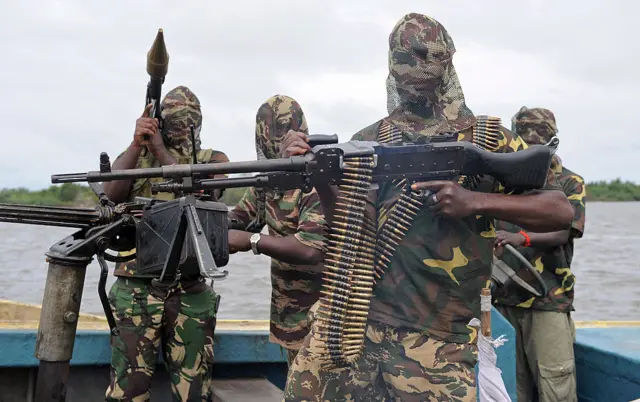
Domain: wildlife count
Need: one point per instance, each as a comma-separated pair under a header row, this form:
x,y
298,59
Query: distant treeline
x,y
70,194
79,195
616,190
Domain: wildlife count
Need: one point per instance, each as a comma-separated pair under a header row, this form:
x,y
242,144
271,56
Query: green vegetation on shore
x,y
79,195
615,190
70,194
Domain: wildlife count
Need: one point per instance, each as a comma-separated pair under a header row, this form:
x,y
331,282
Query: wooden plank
x,y
249,389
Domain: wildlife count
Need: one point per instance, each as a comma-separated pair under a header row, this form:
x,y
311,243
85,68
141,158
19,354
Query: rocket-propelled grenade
x,y
157,67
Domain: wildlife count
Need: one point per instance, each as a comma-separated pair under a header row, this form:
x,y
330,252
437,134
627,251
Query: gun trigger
x,y
423,194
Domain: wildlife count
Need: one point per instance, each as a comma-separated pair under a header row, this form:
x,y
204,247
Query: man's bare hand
x,y
503,238
294,143
146,129
448,198
239,240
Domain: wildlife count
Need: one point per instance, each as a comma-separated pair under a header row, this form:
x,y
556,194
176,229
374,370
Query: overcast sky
x,y
73,73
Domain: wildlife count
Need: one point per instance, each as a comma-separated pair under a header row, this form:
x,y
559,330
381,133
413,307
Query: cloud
x,y
74,72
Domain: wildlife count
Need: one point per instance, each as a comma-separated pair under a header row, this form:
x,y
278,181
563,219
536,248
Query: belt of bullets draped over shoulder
x,y
359,250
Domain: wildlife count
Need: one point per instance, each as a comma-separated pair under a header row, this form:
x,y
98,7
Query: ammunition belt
x,y
349,271
360,250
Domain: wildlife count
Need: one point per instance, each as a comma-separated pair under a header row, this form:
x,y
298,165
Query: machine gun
x,y
187,232
441,158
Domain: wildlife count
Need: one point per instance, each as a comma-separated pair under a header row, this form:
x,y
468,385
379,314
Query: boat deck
x,y
607,358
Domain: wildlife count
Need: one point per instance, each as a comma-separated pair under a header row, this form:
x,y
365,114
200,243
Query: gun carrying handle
x,y
322,139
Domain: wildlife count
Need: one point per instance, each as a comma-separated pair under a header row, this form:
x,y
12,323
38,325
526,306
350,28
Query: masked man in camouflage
x,y
418,344
297,231
544,329
181,318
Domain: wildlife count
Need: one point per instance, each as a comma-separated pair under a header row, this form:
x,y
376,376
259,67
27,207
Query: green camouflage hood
x,y
534,126
274,119
424,96
180,109
537,126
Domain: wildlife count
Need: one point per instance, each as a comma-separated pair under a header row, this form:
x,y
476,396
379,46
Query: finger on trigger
x,y
148,132
147,110
436,207
433,185
287,141
296,151
301,144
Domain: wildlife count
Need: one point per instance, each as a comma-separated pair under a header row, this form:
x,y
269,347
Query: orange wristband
x,y
527,239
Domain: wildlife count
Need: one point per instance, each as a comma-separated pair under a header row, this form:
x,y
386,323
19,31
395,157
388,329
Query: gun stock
x,y
522,170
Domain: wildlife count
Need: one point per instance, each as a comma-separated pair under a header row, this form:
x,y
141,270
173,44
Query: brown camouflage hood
x,y
181,109
534,126
274,119
424,96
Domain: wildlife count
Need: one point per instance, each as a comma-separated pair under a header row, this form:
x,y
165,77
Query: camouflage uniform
x,y
544,328
182,319
418,343
295,288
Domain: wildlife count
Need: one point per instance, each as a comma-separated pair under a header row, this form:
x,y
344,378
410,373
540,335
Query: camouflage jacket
x,y
554,265
295,288
434,280
142,188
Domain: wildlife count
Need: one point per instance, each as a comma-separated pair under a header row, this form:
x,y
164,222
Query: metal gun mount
x,y
187,233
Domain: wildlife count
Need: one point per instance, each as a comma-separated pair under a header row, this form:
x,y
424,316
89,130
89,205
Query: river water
x,y
605,264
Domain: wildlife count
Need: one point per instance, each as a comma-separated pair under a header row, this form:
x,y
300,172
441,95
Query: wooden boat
x,y
248,367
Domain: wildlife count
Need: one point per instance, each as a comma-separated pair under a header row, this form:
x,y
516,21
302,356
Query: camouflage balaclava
x,y
181,109
536,126
424,96
274,119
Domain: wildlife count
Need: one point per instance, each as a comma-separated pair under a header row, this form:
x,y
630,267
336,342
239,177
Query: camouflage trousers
x,y
545,363
291,355
181,320
395,365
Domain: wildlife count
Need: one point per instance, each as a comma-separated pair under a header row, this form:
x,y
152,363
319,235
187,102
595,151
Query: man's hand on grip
x,y
448,198
146,132
294,143
503,238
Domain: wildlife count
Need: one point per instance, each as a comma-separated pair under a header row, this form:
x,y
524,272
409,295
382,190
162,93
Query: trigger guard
x,y
423,194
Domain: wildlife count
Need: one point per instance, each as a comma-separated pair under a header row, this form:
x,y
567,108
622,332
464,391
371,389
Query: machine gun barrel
x,y
50,216
292,164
